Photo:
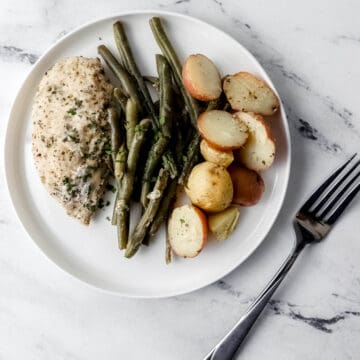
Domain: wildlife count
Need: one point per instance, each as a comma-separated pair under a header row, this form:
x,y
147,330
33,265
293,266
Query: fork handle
x,y
227,347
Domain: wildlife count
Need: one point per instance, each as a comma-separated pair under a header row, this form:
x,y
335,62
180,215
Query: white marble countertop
x,y
311,50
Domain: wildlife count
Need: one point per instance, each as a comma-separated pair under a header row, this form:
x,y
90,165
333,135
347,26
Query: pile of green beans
x,y
161,136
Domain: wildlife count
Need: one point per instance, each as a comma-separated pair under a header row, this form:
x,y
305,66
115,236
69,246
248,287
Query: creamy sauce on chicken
x,y
71,135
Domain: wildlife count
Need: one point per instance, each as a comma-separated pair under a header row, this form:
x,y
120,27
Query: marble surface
x,y
311,50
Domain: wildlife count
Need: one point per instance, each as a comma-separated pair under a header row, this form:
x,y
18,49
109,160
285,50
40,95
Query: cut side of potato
x,y
222,130
259,151
246,92
223,224
210,187
223,158
187,230
201,78
248,185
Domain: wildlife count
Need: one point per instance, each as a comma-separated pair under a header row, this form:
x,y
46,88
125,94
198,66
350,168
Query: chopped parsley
x,y
72,111
107,149
68,184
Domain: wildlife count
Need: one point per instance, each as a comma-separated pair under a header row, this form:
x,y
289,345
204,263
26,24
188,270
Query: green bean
x,y
190,159
124,48
169,165
127,182
127,55
140,230
164,209
173,59
116,143
114,214
120,98
160,145
136,144
115,132
122,223
131,120
152,161
120,163
145,189
119,170
128,84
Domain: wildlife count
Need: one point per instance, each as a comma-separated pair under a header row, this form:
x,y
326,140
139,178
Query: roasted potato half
x,y
222,130
219,157
222,224
246,92
187,230
248,185
201,78
258,153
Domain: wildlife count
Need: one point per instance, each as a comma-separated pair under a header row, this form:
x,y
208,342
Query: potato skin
x,y
259,151
246,92
223,158
201,78
182,242
248,185
210,187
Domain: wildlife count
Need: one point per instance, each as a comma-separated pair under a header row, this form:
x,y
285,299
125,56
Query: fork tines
x,y
329,201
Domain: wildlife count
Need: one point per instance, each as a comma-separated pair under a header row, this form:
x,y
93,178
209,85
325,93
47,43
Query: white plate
x,y
90,253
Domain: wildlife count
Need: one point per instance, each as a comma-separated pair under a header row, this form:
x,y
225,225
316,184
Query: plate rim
x,y
163,294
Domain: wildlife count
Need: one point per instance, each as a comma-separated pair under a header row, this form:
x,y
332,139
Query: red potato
x,y
223,158
246,92
259,151
187,231
201,78
248,185
222,130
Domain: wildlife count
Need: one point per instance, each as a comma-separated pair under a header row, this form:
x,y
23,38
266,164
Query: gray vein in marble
x,y
323,324
342,112
309,132
221,284
346,298
181,2
291,75
221,6
355,39
12,53
278,307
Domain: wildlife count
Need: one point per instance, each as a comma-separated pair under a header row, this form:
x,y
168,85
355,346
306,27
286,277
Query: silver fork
x,y
312,223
